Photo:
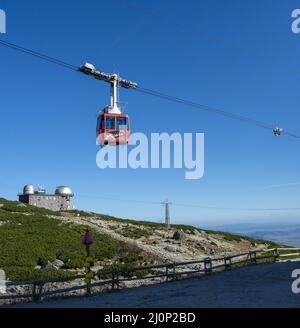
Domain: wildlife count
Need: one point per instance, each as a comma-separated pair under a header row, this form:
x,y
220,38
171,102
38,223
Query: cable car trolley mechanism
x,y
113,127
277,132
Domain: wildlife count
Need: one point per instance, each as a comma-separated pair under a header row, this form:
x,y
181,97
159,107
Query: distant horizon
x,y
217,222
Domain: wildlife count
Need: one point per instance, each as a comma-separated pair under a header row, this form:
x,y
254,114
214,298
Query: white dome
x,y
28,190
63,191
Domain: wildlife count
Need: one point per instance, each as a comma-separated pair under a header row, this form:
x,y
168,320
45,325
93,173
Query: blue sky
x,y
239,56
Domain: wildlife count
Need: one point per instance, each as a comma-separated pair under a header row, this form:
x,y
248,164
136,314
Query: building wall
x,y
50,202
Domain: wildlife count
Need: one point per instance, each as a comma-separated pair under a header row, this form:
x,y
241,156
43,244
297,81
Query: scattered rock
x,y
179,236
38,267
253,244
50,265
122,252
171,249
21,205
58,263
203,248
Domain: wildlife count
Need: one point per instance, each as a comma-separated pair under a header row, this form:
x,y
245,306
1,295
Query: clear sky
x,y
239,56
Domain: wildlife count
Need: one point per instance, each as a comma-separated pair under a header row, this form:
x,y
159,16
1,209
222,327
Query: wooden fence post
x,y
34,294
88,289
174,271
208,265
228,263
37,289
113,280
40,292
117,280
167,273
253,259
276,254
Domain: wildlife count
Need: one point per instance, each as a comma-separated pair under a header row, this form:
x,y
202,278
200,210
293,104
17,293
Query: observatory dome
x,y
63,191
28,190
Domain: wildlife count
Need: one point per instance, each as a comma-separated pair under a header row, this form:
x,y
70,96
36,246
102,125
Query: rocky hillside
x,y
37,243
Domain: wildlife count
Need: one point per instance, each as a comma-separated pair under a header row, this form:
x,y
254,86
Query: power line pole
x,y
167,205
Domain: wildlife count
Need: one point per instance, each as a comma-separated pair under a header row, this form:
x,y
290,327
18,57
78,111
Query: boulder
x,y
50,265
58,263
171,249
122,252
179,236
202,247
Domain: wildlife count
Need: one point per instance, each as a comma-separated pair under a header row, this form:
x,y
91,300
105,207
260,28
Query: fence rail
x,y
38,290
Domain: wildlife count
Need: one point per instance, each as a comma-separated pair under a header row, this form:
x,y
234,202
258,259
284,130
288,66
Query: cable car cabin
x,y
113,129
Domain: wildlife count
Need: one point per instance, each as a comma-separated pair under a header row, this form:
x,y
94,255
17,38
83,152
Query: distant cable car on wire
x,y
278,132
113,127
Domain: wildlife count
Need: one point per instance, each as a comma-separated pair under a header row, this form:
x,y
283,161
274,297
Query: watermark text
x,y
2,21
161,150
296,21
2,282
296,282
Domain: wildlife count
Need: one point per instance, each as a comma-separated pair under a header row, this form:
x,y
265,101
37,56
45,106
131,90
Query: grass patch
x,y
135,232
17,207
131,260
30,240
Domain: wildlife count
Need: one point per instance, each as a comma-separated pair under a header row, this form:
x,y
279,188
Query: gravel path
x,y
195,247
266,285
100,226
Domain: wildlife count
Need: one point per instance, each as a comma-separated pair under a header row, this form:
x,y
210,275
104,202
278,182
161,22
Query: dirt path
x,y
160,243
100,226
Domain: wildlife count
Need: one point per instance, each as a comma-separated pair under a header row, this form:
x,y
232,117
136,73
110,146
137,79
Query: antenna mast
x,y
167,205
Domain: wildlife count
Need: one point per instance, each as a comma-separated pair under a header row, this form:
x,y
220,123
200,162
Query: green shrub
x,y
135,232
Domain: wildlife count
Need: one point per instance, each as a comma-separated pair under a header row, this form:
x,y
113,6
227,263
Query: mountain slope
x,y
33,239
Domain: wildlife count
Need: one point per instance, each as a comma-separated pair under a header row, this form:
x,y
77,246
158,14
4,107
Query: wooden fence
x,y
38,290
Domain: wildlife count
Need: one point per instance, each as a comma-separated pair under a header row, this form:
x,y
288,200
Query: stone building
x,y
61,200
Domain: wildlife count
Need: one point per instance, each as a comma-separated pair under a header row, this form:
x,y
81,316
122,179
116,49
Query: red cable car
x,y
113,129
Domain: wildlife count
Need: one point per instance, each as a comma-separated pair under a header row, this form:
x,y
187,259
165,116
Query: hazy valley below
x,y
287,234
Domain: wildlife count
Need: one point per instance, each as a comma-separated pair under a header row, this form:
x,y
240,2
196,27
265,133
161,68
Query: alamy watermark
x,y
2,282
296,282
161,150
2,21
296,21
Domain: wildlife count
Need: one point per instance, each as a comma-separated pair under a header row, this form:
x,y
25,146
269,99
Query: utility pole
x,y
167,205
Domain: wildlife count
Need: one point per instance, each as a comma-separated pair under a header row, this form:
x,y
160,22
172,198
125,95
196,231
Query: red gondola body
x,y
113,129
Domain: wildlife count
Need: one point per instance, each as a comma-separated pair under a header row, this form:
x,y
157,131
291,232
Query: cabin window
x,y
110,123
122,123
